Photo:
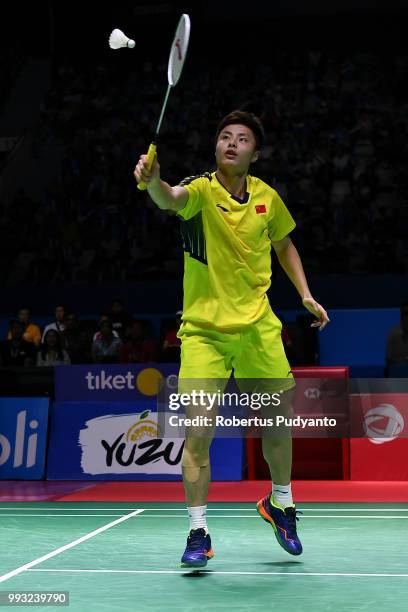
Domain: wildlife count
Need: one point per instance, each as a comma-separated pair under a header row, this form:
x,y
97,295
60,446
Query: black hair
x,y
250,120
58,346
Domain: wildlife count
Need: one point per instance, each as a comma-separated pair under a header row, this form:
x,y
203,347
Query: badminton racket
x,y
178,52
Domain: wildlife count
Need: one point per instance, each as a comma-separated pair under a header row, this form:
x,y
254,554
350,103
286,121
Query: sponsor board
x,y
381,453
113,383
109,441
128,443
123,441
23,437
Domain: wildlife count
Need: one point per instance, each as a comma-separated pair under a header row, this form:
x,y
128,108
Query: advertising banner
x,y
113,383
124,441
382,453
23,437
108,441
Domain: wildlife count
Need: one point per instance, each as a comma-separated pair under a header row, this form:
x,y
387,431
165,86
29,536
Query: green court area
x,y
118,557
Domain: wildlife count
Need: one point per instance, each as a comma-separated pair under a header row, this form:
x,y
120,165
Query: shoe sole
x,y
268,519
203,563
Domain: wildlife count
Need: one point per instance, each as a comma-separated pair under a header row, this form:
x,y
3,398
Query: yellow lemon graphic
x,y
149,381
143,427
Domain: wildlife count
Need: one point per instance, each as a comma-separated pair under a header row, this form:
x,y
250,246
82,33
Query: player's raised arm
x,y
163,195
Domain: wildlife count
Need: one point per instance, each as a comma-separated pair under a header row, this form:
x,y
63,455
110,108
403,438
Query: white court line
x,y
61,549
208,509
58,515
37,508
305,516
110,571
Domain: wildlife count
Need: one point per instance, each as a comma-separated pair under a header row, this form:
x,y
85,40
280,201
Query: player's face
x,y
236,148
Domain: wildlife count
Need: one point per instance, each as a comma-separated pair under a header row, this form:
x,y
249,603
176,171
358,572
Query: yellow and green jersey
x,y
227,251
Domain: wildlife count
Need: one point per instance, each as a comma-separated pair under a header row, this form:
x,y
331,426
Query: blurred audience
x,y
79,343
32,332
106,348
98,334
336,151
139,348
76,341
58,324
121,320
16,351
51,352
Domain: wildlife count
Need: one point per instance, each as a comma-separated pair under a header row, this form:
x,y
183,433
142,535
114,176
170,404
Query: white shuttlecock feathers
x,y
118,39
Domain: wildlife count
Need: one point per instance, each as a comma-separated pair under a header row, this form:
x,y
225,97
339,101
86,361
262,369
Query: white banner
x,y
128,444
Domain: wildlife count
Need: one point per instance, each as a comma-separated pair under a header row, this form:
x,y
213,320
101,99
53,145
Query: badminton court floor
x,y
118,557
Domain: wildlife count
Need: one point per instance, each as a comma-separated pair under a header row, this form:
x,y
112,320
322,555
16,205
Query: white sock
x,y
198,517
282,494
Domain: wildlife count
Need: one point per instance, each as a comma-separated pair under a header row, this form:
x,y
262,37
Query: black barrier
x,y
27,382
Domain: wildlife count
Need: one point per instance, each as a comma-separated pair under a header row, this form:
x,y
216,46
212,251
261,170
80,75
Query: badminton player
x,y
230,220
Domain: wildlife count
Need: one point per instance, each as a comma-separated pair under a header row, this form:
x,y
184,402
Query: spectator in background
x,y
32,332
16,351
76,342
121,320
51,352
397,343
139,348
171,343
58,324
98,334
106,348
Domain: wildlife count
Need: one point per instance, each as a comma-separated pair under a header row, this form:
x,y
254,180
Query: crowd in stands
x,y
336,151
116,338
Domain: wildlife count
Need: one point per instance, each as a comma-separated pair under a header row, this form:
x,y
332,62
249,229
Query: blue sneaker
x,y
198,549
283,521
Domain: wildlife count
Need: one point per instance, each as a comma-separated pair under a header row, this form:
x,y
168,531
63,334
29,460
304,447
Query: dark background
x,y
229,36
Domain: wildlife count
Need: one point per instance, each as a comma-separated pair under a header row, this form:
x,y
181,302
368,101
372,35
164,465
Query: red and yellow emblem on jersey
x,y
260,209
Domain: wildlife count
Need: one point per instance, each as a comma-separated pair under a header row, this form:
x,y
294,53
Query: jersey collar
x,y
243,200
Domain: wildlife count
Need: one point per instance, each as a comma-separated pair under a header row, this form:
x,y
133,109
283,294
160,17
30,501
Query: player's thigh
x,y
205,357
262,357
204,372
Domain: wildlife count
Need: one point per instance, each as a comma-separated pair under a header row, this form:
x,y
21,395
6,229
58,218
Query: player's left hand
x,y
318,311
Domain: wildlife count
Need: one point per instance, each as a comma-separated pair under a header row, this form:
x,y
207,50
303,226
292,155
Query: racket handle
x,y
151,154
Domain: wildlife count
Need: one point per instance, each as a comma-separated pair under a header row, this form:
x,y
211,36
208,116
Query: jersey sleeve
x,y
195,186
281,222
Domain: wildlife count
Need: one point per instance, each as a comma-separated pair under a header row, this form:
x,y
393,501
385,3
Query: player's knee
x,y
198,456
286,401
193,460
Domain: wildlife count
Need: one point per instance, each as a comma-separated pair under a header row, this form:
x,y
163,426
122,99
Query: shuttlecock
x,y
118,39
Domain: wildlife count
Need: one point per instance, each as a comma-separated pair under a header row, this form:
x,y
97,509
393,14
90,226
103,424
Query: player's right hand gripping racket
x,y
177,57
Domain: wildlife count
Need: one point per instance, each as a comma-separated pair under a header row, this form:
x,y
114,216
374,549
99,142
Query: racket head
x,y
178,51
